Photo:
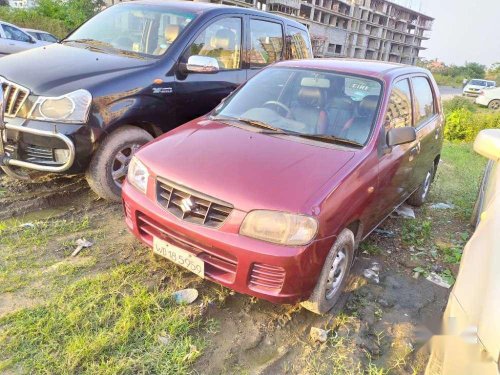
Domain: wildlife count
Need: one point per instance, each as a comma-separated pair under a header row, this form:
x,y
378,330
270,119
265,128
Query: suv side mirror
x,y
399,136
202,64
487,144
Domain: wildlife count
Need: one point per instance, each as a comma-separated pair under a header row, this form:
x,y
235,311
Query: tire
x,y
109,165
324,297
494,105
419,197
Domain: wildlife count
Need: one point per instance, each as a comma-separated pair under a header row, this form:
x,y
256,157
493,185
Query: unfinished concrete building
x,y
364,29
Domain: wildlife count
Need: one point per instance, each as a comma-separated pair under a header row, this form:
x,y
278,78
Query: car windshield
x,y
327,106
478,82
133,29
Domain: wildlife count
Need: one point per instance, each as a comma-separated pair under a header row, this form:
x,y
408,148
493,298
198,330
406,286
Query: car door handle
x,y
438,132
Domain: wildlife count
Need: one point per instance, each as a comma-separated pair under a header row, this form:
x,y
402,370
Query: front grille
x,y
268,277
14,97
40,155
191,206
218,264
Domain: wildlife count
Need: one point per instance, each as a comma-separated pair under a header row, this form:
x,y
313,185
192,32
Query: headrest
x,y
341,103
224,39
171,32
368,106
311,96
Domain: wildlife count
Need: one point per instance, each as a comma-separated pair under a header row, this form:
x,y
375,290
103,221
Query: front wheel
x,y
333,276
109,165
419,197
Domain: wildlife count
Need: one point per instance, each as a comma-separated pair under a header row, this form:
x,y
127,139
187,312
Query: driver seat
x,y
309,109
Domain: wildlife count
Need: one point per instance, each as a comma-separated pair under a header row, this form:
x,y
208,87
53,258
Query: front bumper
x,y
45,146
471,92
279,274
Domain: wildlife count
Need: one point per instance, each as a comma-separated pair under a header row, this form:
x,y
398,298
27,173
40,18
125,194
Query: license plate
x,y
179,256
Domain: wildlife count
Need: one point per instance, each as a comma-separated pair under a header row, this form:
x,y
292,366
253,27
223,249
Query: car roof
x,y
36,31
10,24
373,68
202,7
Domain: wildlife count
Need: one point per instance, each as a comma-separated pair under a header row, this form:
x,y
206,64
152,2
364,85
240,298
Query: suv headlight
x,y
279,227
138,175
70,108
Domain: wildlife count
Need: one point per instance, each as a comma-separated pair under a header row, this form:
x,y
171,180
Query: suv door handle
x,y
438,132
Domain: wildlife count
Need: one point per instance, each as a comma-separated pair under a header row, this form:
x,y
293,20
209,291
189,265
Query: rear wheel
x,y
494,105
109,165
419,197
333,276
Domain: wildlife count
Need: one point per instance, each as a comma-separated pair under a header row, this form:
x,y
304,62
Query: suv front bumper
x,y
45,146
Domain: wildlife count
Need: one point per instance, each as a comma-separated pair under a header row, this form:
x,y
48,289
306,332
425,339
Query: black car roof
x,y
202,7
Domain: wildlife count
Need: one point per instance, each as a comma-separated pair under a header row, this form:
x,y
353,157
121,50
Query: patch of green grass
x,y
25,251
370,248
416,232
109,323
458,177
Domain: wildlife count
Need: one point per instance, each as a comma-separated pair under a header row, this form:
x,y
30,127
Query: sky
x,y
464,30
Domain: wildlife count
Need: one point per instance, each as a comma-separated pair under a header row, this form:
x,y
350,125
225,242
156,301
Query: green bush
x,y
463,125
459,102
30,18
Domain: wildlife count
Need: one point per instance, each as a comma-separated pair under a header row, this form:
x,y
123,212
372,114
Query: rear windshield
x,y
138,29
307,102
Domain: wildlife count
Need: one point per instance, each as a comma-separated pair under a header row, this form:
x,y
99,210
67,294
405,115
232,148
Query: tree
x,y
72,12
474,70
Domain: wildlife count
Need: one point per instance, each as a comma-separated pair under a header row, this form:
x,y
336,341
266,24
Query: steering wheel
x,y
288,112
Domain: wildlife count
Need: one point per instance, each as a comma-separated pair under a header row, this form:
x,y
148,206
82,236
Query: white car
x,y
42,35
489,98
13,39
470,341
475,86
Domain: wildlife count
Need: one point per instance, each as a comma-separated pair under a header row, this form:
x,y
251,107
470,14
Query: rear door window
x,y
424,100
15,34
266,43
299,44
399,110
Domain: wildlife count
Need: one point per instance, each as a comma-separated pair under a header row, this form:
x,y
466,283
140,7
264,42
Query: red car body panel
x,y
342,187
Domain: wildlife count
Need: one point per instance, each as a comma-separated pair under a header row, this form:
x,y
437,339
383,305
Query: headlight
x,y
138,175
70,108
279,227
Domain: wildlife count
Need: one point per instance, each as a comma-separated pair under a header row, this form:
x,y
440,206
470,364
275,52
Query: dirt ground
x,y
378,327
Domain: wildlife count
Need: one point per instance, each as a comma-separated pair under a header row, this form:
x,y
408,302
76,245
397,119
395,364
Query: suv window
x,y
299,43
399,111
220,40
424,100
15,34
266,43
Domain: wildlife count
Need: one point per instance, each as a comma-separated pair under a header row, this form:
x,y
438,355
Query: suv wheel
x,y
109,165
419,197
333,276
494,105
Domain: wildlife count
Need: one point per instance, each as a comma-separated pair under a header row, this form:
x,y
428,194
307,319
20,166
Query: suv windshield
x,y
308,103
138,29
478,82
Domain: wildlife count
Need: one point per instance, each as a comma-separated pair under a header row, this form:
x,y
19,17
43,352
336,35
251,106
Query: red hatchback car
x,y
271,193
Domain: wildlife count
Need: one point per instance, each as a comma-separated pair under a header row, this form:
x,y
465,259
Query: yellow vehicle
x,y
470,342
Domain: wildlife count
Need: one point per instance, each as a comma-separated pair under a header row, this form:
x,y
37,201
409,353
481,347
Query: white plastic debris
x,y
164,338
27,225
318,334
442,206
405,211
81,243
185,296
372,272
438,280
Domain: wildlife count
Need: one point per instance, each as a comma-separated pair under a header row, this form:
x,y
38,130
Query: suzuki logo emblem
x,y
187,205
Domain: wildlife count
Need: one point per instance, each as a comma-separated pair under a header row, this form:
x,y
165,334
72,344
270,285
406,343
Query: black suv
x,y
130,73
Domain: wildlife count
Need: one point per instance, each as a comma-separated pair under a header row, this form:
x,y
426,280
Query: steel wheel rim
x,y
336,274
427,184
121,161
495,105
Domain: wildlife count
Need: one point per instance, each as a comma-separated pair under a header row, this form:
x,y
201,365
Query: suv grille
x,y
191,206
14,97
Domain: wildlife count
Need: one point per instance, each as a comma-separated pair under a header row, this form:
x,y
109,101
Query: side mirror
x,y
487,144
202,64
399,136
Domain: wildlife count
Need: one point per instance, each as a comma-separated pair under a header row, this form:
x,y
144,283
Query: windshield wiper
x,y
331,139
248,121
